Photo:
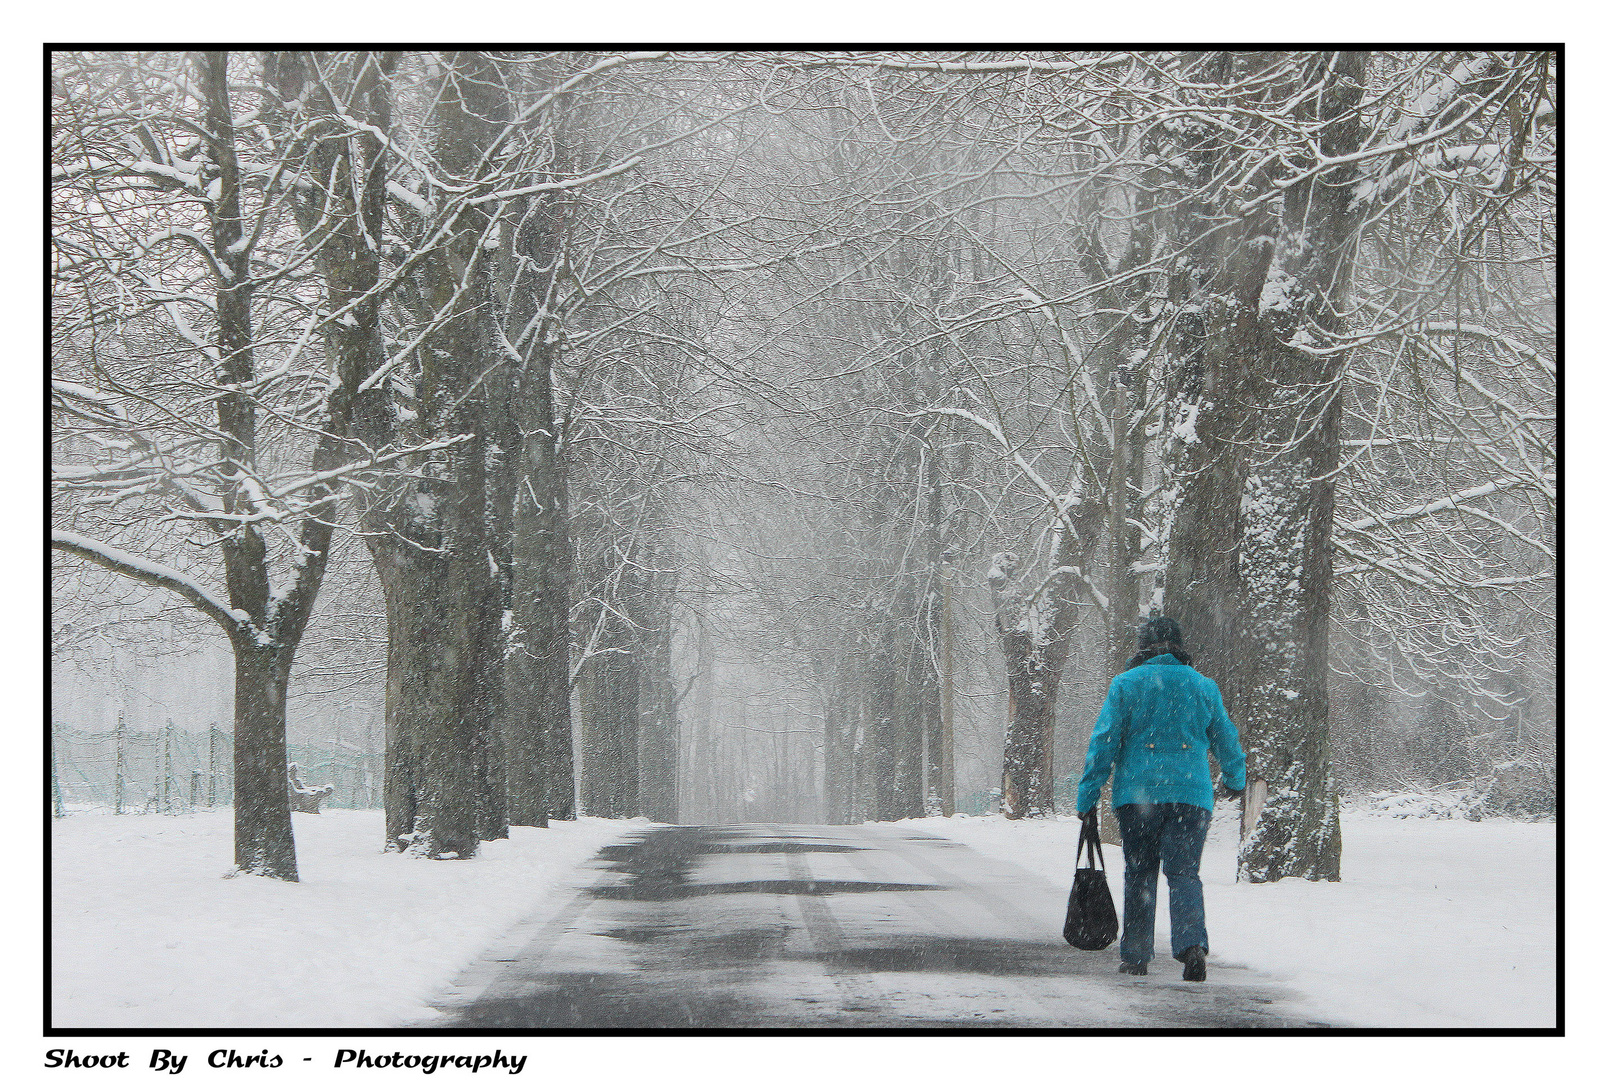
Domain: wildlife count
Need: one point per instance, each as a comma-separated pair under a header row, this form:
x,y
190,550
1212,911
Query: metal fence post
x,y
57,807
167,767
122,765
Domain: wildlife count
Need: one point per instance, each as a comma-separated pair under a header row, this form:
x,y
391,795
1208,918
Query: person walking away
x,y
1159,719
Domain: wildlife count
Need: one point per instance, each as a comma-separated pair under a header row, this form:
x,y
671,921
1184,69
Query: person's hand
x,y
1226,792
1087,815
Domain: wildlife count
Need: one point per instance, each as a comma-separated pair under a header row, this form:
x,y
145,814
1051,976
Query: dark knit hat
x,y
1161,630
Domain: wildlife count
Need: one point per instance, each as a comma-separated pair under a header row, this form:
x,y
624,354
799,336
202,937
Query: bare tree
x,y
176,251
1257,339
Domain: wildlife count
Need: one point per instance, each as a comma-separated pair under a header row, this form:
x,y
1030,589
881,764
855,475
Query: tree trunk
x,y
697,795
1286,566
1033,679
540,746
432,548
915,702
946,719
1033,663
489,706
1287,556
659,745
1035,633
1216,288
57,809
615,682
540,743
1203,590
1122,539
926,667
894,723
433,800
434,541
858,774
264,842
881,738
610,703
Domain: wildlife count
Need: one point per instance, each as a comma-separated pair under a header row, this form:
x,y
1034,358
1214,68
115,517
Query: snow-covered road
x,y
795,926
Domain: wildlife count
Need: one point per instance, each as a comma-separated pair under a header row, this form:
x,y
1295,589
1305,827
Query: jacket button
x,y
1186,746
1151,746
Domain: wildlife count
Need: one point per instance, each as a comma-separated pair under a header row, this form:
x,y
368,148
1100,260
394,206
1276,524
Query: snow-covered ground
x,y
1436,923
147,932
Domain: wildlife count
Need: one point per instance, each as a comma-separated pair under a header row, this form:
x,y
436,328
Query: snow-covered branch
x,y
1449,502
152,573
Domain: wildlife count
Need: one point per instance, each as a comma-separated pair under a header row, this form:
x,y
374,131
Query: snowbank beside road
x,y
147,932
1436,923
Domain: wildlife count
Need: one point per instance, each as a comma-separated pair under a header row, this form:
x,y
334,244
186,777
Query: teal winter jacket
x,y
1158,721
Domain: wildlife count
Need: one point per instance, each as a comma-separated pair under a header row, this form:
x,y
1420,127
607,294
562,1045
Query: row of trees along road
x,y
593,350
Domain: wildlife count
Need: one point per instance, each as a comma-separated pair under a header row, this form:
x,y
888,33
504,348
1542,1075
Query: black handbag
x,y
1091,917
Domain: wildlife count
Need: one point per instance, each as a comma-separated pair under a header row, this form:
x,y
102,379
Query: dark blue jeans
x,y
1170,837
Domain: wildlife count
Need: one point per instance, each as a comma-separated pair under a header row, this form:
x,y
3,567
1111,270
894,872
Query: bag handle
x,y
1090,836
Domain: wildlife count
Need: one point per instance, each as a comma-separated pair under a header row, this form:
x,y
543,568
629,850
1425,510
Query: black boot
x,y
1194,959
1126,968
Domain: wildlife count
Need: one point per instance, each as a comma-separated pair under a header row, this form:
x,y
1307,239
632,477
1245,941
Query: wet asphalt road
x,y
788,926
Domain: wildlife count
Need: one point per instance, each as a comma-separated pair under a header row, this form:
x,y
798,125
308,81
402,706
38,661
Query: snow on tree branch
x,y
152,573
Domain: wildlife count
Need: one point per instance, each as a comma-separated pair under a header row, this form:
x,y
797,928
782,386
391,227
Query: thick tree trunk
x,y
540,746
899,690
1216,287
433,800
264,842
916,703
539,739
610,704
834,810
434,539
855,741
1028,784
881,737
1122,538
1035,650
444,604
1035,633
1291,824
697,795
1203,588
1292,821
659,744
946,715
489,707
845,772
894,725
